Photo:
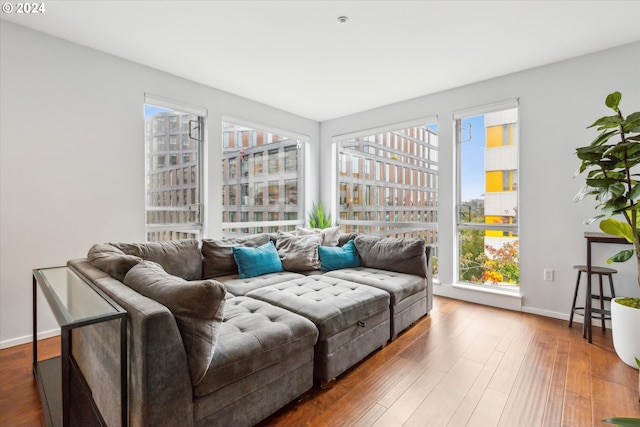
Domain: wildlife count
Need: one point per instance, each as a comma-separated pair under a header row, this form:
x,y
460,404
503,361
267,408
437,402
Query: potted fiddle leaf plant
x,y
612,166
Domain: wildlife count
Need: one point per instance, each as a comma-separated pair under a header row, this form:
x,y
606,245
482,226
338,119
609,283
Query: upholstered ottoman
x,y
263,360
352,319
408,292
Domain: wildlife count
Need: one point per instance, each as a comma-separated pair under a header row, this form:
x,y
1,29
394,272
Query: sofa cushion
x,y
254,336
218,254
254,262
299,253
198,307
335,258
404,255
398,285
180,258
238,286
329,235
111,260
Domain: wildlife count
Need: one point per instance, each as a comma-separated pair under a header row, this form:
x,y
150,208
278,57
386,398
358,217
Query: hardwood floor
x,y
464,364
19,397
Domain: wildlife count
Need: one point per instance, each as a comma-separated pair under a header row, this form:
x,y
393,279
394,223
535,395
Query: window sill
x,y
480,295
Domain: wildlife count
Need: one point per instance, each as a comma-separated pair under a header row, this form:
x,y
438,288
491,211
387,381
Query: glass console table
x,y
75,302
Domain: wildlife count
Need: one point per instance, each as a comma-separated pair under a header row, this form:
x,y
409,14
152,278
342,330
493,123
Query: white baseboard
x,y
577,318
29,338
553,314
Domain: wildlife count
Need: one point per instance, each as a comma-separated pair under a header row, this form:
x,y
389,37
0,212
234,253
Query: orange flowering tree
x,y
481,263
501,265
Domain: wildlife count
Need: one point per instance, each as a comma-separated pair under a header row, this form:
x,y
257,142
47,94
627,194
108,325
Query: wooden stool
x,y
604,314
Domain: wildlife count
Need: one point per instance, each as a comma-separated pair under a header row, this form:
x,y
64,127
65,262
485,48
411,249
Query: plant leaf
x,y
607,122
623,422
617,228
600,182
632,122
594,219
610,193
318,218
604,137
635,192
613,100
621,256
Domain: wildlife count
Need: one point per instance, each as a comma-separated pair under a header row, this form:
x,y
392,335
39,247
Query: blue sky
x,y
472,182
150,110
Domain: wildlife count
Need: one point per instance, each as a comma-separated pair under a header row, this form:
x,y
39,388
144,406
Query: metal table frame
x,y
67,323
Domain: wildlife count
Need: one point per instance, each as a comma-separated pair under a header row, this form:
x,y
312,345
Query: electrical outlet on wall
x,y
548,275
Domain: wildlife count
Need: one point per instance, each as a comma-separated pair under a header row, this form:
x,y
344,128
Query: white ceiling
x,y
294,55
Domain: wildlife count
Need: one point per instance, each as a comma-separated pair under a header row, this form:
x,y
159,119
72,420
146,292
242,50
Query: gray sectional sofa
x,y
224,332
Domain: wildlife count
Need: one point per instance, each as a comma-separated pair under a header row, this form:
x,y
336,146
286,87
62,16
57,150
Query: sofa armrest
x,y
160,391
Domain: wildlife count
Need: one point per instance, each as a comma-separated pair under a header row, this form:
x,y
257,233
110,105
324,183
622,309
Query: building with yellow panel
x,y
501,172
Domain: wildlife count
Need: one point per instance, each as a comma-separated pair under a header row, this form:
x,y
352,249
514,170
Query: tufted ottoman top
x,y
332,304
253,336
399,285
238,286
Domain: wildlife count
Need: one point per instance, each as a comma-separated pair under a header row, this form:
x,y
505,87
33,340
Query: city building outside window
x,y
274,163
257,164
269,179
173,180
258,196
232,167
388,182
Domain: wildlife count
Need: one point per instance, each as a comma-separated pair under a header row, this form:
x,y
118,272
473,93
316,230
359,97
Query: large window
x,y
266,167
487,223
388,182
173,173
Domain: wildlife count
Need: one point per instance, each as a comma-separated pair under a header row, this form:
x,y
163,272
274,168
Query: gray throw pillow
x,y
180,258
218,254
111,260
329,235
299,253
404,255
198,307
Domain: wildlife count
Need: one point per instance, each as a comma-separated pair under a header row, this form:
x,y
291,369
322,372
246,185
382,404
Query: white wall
x,y
72,156
557,103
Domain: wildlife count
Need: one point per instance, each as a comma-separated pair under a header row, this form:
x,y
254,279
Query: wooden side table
x,y
75,303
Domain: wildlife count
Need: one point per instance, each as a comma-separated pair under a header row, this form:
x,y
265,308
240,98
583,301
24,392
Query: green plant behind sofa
x,y
318,218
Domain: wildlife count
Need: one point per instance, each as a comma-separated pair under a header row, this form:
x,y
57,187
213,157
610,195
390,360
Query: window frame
x,y
193,174
383,171
509,229
265,173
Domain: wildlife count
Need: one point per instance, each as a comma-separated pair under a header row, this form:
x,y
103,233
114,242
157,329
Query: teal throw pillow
x,y
257,261
335,258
